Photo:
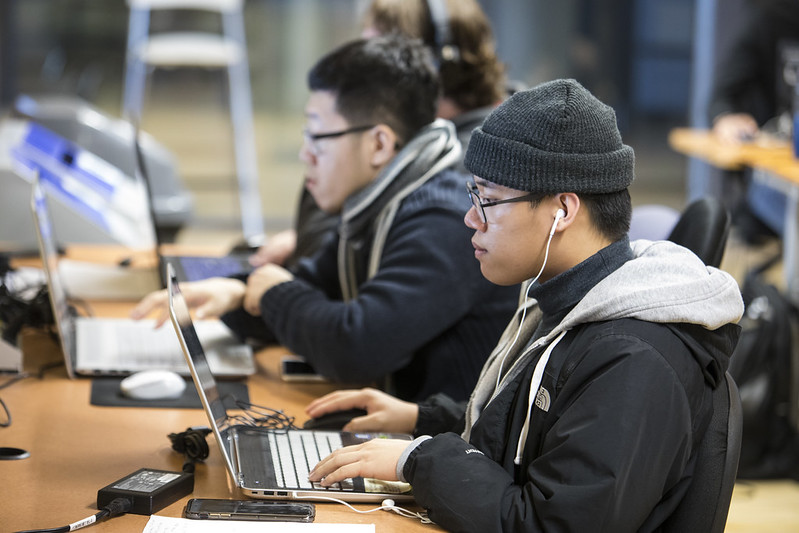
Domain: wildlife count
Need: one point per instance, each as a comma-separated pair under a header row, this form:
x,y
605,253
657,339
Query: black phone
x,y
293,368
259,510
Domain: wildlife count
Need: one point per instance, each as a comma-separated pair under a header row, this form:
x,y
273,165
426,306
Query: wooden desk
x,y
773,163
77,448
773,156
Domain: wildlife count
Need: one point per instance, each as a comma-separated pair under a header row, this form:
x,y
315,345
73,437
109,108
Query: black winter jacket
x,y
613,433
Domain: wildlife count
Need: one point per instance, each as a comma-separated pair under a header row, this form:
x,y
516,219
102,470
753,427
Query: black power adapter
x,y
148,490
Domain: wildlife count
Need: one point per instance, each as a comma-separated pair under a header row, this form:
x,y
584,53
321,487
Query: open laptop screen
x,y
198,363
58,296
269,462
179,310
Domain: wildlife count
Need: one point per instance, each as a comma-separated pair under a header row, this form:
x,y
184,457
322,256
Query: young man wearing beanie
x,y
394,295
588,413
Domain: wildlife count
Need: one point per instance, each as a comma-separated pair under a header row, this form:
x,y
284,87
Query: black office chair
x,y
707,502
703,228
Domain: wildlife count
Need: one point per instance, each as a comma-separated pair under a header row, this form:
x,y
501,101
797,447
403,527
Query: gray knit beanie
x,y
555,137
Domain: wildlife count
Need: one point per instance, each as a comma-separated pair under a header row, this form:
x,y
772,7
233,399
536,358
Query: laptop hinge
x,y
233,437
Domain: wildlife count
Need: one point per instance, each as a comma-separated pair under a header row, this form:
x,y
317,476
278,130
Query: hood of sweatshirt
x,y
664,283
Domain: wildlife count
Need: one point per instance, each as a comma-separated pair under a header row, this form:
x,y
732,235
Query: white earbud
x,y
387,503
560,214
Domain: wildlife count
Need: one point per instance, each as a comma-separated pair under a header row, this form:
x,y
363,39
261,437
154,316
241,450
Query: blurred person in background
x,y
753,94
472,79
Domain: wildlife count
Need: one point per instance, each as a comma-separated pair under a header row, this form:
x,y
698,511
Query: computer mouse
x,y
153,385
334,420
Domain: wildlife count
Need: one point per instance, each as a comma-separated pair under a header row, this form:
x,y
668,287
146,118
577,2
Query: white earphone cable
x,y
387,505
560,214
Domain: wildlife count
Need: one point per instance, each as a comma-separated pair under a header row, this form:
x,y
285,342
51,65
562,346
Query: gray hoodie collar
x,y
663,283
560,294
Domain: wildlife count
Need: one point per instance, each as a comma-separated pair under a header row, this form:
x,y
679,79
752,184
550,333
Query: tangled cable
x,y
257,415
192,444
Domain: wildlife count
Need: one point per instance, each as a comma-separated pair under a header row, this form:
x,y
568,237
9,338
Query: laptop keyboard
x,y
197,268
148,349
295,453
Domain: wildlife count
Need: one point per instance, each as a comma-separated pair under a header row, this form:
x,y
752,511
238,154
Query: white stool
x,y
227,50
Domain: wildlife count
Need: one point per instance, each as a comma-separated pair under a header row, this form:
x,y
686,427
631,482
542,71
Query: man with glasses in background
x,y
396,297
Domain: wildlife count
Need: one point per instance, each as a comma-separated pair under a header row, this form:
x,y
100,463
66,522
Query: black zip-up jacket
x,y
621,407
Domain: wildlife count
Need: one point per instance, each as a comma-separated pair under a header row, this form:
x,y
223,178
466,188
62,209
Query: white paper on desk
x,y
166,524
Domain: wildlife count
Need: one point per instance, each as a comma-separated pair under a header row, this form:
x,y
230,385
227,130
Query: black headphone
x,y
192,444
446,49
17,312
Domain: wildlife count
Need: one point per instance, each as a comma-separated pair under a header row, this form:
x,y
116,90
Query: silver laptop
x,y
264,462
187,267
107,346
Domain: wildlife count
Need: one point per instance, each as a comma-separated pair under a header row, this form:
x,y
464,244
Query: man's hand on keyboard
x,y
210,297
376,458
261,280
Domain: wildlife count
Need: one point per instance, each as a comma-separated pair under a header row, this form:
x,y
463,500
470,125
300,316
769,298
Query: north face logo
x,y
542,399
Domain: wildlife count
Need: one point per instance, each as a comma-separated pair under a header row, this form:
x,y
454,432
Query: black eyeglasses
x,y
477,202
311,138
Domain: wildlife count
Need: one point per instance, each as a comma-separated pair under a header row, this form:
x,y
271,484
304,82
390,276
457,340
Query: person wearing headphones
x,y
472,79
588,412
394,298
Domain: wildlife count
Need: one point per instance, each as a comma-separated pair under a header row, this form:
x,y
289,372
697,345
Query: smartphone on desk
x,y
296,369
258,510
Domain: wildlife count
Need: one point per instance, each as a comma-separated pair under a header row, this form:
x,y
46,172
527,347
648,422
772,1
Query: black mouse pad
x,y
105,392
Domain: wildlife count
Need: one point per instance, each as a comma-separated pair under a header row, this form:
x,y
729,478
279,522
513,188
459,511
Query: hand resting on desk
x,y
210,297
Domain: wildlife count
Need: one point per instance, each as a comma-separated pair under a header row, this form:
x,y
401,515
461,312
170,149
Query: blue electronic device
x,y
96,190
